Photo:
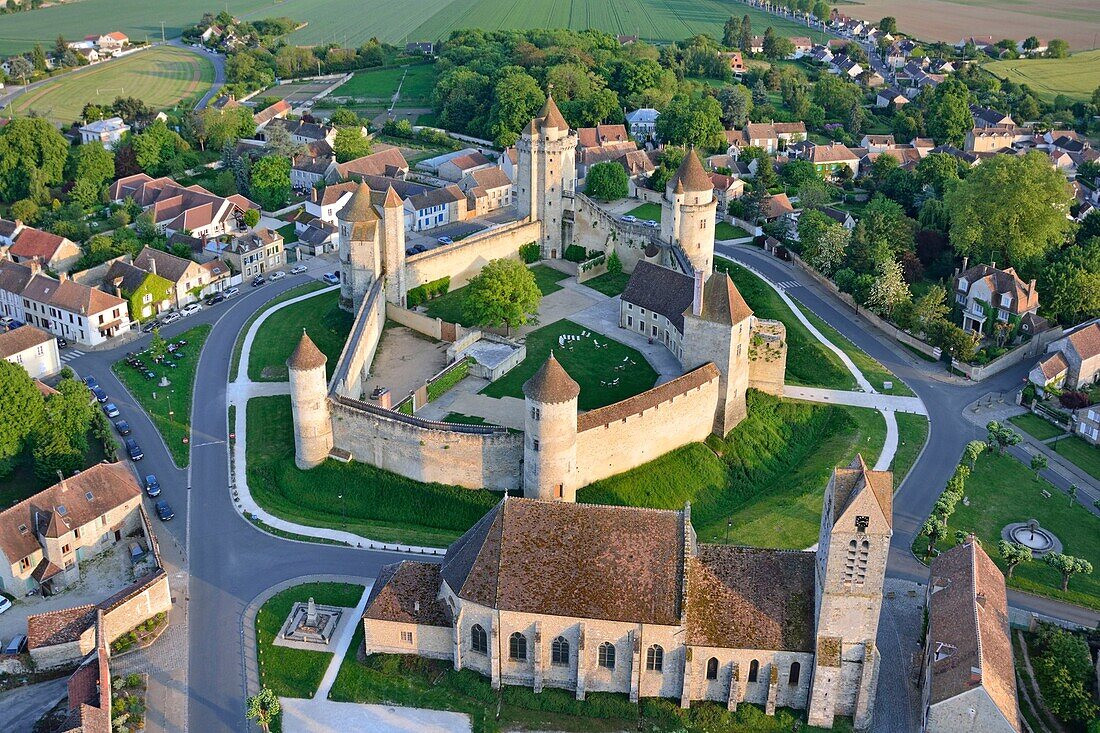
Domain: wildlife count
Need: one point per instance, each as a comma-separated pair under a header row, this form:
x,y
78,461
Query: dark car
x,y
100,395
150,326
62,343
152,486
164,510
258,281
111,410
134,450
215,299
122,427
90,381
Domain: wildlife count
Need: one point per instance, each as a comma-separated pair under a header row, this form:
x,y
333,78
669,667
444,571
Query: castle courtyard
x,y
405,360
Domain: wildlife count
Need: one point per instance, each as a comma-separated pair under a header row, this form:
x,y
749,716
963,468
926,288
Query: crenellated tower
x,y
309,404
547,168
360,255
393,247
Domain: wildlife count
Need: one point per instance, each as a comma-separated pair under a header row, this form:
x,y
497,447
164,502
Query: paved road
x,y
21,707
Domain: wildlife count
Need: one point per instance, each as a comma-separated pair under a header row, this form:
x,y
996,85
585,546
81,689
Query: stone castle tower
x,y
547,168
717,329
687,213
371,246
550,434
309,404
853,545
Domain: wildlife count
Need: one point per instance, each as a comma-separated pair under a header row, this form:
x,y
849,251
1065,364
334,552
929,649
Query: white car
x,y
232,292
298,270
5,604
277,275
171,318
629,219
191,309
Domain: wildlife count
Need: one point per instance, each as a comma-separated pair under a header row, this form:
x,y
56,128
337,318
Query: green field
x,y
416,89
328,326
1076,77
161,77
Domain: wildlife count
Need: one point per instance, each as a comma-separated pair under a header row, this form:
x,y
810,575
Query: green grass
x,y
1002,490
1080,453
327,324
309,287
383,506
1076,76
608,284
161,77
169,407
809,362
1036,426
416,90
587,365
725,230
647,211
912,434
297,672
767,476
874,371
288,233
451,307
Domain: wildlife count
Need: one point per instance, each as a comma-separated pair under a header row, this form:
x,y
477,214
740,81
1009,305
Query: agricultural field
x,y
161,77
416,83
1076,77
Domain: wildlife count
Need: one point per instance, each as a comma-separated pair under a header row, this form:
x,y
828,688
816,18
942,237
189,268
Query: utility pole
x,y
162,31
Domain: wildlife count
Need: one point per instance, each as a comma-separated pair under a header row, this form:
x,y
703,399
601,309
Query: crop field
x,y
1076,77
380,85
160,77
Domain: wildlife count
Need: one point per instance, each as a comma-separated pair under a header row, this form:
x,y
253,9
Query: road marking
x,y
789,284
70,355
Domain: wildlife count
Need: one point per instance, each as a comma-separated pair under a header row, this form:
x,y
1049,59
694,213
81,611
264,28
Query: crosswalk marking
x,y
71,354
789,284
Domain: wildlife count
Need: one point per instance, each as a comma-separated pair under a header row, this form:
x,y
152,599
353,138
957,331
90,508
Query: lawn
x,y
646,211
327,324
767,476
169,407
309,287
161,77
912,433
1036,426
1080,453
383,506
1076,76
609,284
297,672
451,306
724,230
592,367
1002,490
809,362
416,89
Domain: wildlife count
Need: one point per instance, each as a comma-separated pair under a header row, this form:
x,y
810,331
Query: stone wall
x,y
595,229
358,354
432,327
1029,350
768,356
463,260
384,637
637,430
427,451
727,685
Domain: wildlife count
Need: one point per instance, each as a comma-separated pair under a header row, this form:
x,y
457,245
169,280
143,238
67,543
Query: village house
x,y
190,281
1071,362
642,123
44,539
968,680
176,208
986,117
68,309
256,252
726,189
829,160
108,132
890,95
147,293
802,46
600,144
301,132
455,168
25,244
277,111
386,161
109,43
736,61
509,162
434,208
424,48
985,292
486,191
315,237
31,348
990,139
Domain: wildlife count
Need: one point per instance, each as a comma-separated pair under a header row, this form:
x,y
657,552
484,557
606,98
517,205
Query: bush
x,y
427,291
133,680
575,253
1063,669
1073,400
530,252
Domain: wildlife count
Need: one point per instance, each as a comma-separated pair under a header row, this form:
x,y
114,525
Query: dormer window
x,y
943,651
1006,300
61,510
963,284
88,495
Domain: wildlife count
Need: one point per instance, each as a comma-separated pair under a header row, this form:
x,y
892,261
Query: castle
x,y
722,347
618,599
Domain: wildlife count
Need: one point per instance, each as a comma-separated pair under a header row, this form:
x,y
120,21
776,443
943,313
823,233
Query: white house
x,y
31,348
642,123
108,131
73,311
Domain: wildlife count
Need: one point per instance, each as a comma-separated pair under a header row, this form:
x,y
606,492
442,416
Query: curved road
x,y
231,562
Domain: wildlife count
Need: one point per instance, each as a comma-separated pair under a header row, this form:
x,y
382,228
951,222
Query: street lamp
x,y
343,511
729,524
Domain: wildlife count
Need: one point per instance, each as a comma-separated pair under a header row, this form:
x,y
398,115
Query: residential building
x,y
277,111
1071,362
301,132
509,162
830,159
307,170
968,677
111,43
73,311
486,191
88,691
13,280
108,132
890,95
990,139
316,237
642,123
25,244
147,293
455,168
877,143
385,162
726,189
425,48
778,206
601,144
256,253
44,539
190,281
176,208
653,304
1086,423
736,61
435,207
986,117
31,348
802,46
985,292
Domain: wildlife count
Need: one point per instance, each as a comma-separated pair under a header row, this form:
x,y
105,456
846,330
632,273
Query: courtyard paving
x,y
404,361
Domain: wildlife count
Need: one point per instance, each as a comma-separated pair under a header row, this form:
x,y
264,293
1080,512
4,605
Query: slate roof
x,y
1025,296
574,560
19,340
406,592
750,598
306,354
661,290
551,384
168,266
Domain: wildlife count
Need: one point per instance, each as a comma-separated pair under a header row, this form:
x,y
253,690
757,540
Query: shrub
x,y
133,680
427,291
575,253
1073,400
530,252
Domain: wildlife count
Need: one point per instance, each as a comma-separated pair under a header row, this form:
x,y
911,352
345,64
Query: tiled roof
x,y
778,205
383,162
70,296
551,384
659,289
691,175
722,301
551,116
469,160
591,137
35,243
1086,341
436,197
968,626
59,627
648,399
266,115
1053,364
749,598
406,592
834,153
306,354
854,480
21,339
575,560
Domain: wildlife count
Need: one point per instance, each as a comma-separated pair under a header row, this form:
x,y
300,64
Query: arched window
x,y
607,655
861,562
655,658
792,677
712,668
479,642
517,646
754,670
559,651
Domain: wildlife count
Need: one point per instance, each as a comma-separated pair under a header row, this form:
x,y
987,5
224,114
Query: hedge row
x,y
423,293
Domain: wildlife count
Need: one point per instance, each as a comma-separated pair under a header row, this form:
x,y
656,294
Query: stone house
x,y
31,348
983,291
256,253
642,123
652,612
1073,361
147,293
726,189
968,679
990,139
1086,423
44,539
190,281
73,311
653,304
386,161
986,117
486,191
435,207
828,160
108,132
889,95
454,169
25,244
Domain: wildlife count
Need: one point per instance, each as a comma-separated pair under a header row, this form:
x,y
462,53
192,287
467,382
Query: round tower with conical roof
x,y
393,247
688,211
309,404
550,434
360,258
547,167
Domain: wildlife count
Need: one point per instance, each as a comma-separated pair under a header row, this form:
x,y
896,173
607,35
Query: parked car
x,y
122,427
332,278
298,269
171,318
5,604
652,224
232,292
215,299
191,309
136,454
17,645
5,321
164,510
90,381
150,326
257,281
152,486
136,553
100,395
420,248
62,343
628,219
111,410
445,240
277,275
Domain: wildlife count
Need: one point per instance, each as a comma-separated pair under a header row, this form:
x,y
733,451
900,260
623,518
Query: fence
x,y
1032,348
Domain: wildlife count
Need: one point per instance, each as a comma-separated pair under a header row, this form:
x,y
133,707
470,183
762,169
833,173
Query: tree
x,y
86,194
938,170
158,347
517,98
948,116
1011,209
156,147
26,210
973,451
614,264
736,103
746,33
61,438
731,32
91,162
264,708
344,117
821,10
930,307
1001,436
1073,489
1064,669
251,217
932,529
881,235
889,24
824,242
606,182
694,121
1013,553
889,289
798,172
350,143
22,413
1068,565
1038,463
20,67
775,46
221,126
279,141
1070,281
813,194
504,293
1057,49
32,157
270,181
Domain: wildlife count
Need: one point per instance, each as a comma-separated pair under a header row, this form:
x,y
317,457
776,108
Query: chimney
x,y
697,293
1031,288
993,265
153,265
118,286
416,606
62,276
980,598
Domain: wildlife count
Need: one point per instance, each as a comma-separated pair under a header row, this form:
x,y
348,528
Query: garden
x,y
451,307
128,703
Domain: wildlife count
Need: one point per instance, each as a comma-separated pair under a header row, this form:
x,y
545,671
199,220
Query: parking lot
x,y
458,231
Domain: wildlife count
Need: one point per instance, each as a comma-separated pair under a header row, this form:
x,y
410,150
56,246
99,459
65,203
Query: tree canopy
x,y
32,157
606,182
504,294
